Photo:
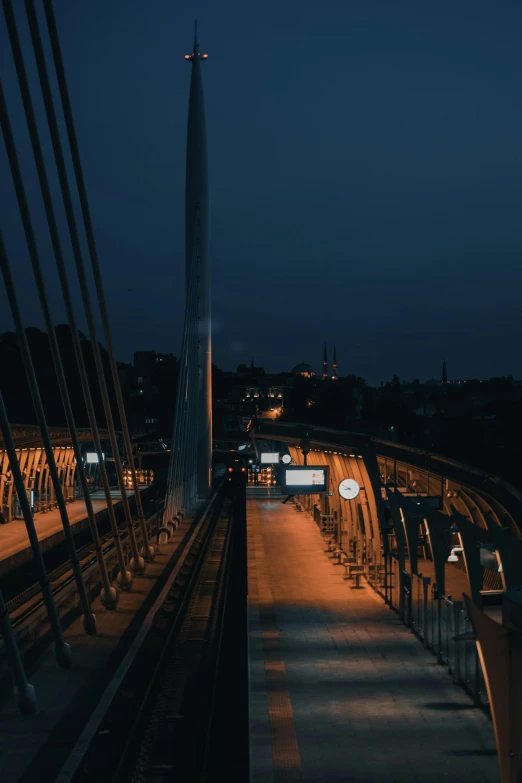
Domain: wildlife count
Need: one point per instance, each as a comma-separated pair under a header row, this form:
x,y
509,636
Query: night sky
x,y
365,168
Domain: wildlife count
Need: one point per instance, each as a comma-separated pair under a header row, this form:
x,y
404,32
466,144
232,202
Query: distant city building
x,y
154,378
304,370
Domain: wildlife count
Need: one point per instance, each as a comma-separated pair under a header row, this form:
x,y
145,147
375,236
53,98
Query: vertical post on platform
x,y
457,610
439,628
425,589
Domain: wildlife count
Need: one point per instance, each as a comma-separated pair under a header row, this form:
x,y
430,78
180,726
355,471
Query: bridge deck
x,y
340,690
13,535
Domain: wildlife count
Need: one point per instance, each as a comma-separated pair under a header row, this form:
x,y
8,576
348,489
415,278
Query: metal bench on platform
x,y
354,571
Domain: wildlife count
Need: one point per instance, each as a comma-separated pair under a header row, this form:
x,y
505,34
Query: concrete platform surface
x,y
340,690
13,535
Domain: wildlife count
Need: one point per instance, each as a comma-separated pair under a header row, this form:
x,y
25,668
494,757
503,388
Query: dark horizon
x,y
270,371
365,177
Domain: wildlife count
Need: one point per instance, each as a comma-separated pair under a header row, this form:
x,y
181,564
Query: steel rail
x,y
91,730
174,656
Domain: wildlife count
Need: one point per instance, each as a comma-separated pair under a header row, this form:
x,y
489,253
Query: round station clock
x,y
348,489
286,458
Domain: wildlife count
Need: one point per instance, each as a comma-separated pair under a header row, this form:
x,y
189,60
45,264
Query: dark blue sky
x,y
365,164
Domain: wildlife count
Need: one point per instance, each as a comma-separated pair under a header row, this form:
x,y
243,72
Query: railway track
x,y
160,722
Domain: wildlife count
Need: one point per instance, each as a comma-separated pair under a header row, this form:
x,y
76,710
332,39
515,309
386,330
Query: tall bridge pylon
x,y
190,467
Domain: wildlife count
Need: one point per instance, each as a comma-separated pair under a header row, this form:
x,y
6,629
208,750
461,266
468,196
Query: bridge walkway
x,y
340,690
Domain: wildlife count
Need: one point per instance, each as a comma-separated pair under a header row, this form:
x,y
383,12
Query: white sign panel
x,y
92,457
269,457
315,477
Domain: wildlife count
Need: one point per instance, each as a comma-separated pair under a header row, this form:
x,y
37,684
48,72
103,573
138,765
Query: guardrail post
x,y
439,629
476,688
457,609
425,588
401,594
386,578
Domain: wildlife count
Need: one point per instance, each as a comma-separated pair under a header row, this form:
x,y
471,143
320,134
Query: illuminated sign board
x,y
305,479
92,457
269,458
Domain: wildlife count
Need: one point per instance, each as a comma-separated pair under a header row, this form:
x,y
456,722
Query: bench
x,y
348,563
340,554
354,571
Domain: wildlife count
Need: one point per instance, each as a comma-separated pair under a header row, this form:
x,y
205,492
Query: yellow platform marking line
x,y
285,748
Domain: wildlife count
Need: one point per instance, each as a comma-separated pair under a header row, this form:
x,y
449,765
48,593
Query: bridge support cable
x,y
181,483
124,576
194,370
62,651
108,593
178,458
177,494
89,620
147,551
137,564
24,692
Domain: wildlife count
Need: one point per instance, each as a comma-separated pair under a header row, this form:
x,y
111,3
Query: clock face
x,y
286,458
348,489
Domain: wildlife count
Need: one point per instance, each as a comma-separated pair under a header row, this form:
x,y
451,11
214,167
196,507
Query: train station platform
x,y
340,690
14,541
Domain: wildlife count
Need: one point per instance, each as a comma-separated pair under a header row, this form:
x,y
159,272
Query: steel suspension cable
x,y
124,577
194,362
178,446
88,617
148,551
62,650
24,692
137,564
178,451
187,446
108,595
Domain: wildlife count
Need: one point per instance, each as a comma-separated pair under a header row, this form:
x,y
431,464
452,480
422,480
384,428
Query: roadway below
x,y
340,690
